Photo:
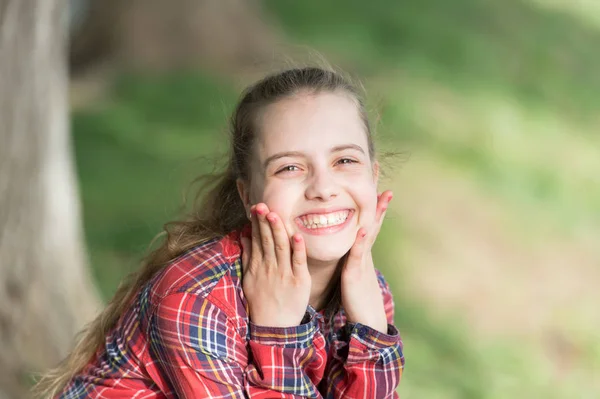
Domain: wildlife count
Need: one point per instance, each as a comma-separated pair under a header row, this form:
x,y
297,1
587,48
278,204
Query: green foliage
x,y
513,47
136,157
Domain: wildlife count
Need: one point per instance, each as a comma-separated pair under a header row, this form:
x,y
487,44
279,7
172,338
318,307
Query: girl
x,y
269,290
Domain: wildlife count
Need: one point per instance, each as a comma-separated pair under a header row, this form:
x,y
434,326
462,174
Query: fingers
x,y
270,245
281,242
246,253
266,237
299,266
383,201
256,240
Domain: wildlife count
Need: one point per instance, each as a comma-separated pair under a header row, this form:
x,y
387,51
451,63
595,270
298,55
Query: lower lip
x,y
325,230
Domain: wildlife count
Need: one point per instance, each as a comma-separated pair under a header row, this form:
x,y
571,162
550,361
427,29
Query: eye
x,y
346,161
288,168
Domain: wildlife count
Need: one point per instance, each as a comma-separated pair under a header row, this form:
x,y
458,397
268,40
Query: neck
x,y
324,276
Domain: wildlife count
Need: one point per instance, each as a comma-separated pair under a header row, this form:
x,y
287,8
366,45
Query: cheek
x,y
268,193
281,204
371,204
278,200
367,201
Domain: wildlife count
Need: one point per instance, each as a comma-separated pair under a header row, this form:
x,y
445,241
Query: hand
x,y
276,281
361,295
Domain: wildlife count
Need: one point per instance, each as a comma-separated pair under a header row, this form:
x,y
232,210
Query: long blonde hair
x,y
217,212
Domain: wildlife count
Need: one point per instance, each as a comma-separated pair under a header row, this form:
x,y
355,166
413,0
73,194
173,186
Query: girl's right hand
x,y
276,281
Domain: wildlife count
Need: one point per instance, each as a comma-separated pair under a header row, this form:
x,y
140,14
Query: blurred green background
x,y
491,246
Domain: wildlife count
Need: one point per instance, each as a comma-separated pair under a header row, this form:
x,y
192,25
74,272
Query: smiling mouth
x,y
323,220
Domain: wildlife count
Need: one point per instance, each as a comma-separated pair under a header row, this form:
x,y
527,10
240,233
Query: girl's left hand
x,y
361,295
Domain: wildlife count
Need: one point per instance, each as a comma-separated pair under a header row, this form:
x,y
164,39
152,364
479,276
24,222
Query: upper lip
x,y
322,211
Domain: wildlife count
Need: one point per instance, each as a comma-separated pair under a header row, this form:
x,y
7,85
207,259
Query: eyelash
x,y
346,159
286,168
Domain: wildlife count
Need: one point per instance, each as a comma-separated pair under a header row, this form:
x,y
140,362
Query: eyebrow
x,y
348,147
301,154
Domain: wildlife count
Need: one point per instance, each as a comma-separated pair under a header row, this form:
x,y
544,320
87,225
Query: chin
x,y
326,254
329,248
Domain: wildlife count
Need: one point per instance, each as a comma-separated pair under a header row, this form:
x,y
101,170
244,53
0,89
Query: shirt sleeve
x,y
202,353
290,360
367,363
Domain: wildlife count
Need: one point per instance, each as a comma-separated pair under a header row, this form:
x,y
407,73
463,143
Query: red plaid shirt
x,y
187,335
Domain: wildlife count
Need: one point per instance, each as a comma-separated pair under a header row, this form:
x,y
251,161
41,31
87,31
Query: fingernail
x,y
363,234
271,218
297,238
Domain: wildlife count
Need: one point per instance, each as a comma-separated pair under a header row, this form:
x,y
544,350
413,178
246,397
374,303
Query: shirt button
x,y
362,331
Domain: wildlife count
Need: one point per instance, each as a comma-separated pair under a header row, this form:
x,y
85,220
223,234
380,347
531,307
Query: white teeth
x,y
330,219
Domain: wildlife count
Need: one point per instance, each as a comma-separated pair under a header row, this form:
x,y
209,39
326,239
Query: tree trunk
x,y
46,293
227,34
159,34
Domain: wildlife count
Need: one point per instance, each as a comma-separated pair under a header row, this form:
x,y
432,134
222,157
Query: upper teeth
x,y
323,220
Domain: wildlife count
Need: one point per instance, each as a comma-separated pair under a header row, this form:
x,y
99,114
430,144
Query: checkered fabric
x,y
187,335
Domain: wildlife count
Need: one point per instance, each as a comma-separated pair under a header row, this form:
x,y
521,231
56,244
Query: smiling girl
x,y
269,289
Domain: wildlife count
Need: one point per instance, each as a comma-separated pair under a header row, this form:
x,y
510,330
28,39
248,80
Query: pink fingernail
x,y
271,218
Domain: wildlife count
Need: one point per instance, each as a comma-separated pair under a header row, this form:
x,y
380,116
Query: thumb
x,y
357,251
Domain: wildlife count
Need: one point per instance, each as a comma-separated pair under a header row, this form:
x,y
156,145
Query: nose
x,y
322,186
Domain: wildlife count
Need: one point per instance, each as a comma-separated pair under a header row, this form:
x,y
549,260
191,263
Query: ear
x,y
244,192
376,172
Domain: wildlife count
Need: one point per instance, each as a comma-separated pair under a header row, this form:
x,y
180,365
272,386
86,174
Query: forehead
x,y
309,123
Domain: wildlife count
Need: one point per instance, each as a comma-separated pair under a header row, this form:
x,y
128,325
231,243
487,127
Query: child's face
x,y
312,167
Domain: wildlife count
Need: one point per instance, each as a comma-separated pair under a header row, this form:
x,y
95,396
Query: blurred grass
x,y
505,92
511,47
137,155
